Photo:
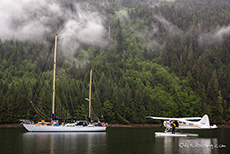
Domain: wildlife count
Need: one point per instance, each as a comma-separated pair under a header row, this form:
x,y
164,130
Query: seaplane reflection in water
x,y
189,145
183,123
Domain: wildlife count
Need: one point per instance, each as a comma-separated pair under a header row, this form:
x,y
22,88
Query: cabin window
x,y
184,122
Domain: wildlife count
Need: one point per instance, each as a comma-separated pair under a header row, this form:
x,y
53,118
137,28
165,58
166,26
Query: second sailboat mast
x,y
90,84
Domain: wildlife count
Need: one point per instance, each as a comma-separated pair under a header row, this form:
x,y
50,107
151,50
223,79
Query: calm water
x,y
115,140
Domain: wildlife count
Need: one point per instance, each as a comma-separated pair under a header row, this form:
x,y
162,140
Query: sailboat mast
x,y
54,75
90,83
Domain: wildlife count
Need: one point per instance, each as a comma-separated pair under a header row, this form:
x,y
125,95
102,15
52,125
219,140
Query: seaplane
x,y
182,123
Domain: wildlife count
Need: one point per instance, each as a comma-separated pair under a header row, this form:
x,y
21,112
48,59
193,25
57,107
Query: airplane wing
x,y
158,118
192,118
164,118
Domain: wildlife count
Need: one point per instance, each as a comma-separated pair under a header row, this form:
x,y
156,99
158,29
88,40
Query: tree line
x,y
157,63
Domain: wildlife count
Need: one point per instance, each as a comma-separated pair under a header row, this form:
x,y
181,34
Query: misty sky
x,y
39,20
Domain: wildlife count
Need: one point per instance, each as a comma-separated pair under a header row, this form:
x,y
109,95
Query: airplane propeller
x,y
162,124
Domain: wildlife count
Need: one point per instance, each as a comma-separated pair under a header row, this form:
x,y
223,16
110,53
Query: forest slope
x,y
158,59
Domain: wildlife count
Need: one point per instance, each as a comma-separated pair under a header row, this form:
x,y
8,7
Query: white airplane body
x,y
184,123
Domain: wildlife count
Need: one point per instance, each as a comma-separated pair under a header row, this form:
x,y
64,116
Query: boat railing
x,y
25,121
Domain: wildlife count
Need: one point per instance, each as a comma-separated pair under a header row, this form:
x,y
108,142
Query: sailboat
x,y
54,126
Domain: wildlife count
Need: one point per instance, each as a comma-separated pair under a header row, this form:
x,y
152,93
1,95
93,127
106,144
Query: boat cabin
x,y
81,123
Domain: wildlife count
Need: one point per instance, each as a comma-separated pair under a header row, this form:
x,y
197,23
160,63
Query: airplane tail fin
x,y
205,120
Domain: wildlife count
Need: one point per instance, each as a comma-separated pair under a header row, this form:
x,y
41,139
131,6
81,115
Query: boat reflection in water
x,y
64,142
189,145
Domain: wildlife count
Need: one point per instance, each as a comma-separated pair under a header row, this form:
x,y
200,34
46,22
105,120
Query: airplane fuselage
x,y
184,124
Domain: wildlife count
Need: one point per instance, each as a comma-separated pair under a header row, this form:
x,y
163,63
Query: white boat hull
x,y
41,128
174,135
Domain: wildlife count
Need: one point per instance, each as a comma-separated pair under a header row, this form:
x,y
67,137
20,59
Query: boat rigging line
x,y
43,115
38,80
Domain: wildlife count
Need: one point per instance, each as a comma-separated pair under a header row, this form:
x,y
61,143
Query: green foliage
x,y
147,69
108,111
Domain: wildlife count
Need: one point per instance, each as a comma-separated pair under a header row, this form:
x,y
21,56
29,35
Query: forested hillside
x,y
157,58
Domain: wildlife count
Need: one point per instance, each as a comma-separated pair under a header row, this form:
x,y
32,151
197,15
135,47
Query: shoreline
x,y
16,125
11,125
134,125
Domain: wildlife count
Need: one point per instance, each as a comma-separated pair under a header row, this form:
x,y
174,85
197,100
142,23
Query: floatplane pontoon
x,y
54,126
183,123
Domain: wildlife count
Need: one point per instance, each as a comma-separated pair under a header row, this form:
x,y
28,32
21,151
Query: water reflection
x,y
114,141
189,145
198,145
64,142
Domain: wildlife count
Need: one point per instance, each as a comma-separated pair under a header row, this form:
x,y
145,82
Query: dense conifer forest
x,y
159,58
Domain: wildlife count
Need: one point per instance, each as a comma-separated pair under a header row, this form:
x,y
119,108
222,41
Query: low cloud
x,y
75,23
215,37
123,16
168,25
